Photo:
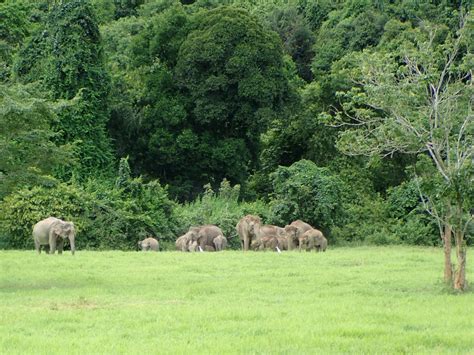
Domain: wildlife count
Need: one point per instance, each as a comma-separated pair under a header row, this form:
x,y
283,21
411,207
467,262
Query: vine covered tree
x,y
66,55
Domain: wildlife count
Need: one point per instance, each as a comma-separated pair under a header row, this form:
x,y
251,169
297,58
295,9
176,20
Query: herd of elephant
x,y
253,236
50,233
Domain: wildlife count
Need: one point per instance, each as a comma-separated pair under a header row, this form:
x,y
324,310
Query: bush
x,y
413,224
105,217
221,208
308,192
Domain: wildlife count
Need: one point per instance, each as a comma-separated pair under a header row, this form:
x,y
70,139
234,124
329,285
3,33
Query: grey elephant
x,y
193,246
294,231
51,232
282,243
265,242
204,235
313,240
251,229
184,242
149,244
220,242
246,230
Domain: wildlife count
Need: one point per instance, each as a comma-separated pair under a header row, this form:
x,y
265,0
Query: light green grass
x,y
359,300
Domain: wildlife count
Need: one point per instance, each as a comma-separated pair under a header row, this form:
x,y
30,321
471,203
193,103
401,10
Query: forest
x,y
144,117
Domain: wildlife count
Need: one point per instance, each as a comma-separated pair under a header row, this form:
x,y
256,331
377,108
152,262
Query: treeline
x,y
135,118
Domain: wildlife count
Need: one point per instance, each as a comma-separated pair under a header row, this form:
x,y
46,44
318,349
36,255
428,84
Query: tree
x,y
205,86
66,56
296,36
28,154
419,100
306,191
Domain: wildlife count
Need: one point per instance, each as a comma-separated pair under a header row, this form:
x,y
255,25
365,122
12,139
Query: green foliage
x,y
126,7
211,115
106,217
197,91
351,28
220,208
14,27
124,173
296,36
66,55
29,156
308,192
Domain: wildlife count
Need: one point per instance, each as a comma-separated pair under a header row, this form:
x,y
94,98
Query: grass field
x,y
360,300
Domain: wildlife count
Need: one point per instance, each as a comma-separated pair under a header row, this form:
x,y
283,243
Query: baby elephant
x,y
149,244
220,242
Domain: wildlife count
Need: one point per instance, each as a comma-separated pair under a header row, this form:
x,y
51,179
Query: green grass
x,y
359,300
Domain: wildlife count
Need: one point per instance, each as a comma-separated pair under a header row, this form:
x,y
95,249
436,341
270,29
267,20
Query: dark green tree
x,y
296,36
66,55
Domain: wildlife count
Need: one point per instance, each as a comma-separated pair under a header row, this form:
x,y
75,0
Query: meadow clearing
x,y
358,300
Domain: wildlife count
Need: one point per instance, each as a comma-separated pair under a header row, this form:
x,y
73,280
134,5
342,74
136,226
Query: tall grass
x,y
358,300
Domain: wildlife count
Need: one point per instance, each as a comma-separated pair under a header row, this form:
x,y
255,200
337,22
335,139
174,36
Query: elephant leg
x,y
246,242
37,247
60,246
52,244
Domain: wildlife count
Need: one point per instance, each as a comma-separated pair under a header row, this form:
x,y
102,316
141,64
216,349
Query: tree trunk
x,y
460,275
448,268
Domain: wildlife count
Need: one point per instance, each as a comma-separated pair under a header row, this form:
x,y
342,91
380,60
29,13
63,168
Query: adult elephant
x,y
204,235
250,229
246,230
183,243
313,240
294,231
149,244
51,232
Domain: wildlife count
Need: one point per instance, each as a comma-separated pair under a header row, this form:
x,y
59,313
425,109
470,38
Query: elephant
x,y
149,244
313,239
220,242
246,230
183,243
51,232
204,235
269,230
250,229
282,243
265,242
194,246
294,230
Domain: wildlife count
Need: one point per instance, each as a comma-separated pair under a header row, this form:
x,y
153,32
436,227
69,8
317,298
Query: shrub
x,y
306,191
413,224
